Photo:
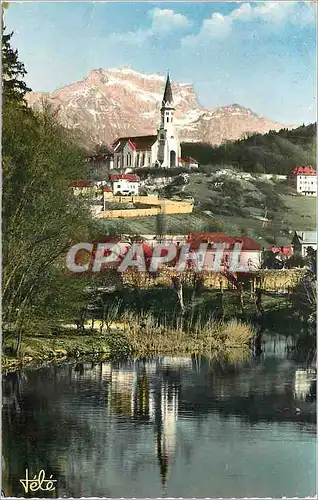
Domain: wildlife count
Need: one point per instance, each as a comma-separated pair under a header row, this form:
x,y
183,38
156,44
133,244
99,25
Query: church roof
x,y
167,96
139,143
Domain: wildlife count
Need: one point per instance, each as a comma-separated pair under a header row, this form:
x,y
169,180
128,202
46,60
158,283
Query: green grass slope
x,y
231,205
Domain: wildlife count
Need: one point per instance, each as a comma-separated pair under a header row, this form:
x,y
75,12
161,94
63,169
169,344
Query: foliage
x,y
41,217
144,172
304,300
295,261
274,152
13,72
304,296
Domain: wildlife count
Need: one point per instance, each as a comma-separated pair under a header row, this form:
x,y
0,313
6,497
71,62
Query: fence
x,y
270,281
134,212
156,206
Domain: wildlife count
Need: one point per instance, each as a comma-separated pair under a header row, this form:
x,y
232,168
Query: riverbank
x,y
137,338
149,322
38,350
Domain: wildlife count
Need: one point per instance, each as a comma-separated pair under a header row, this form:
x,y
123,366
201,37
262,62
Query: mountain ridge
x,y
114,102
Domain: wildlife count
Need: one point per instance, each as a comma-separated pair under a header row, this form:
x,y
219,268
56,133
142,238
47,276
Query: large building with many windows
x,y
160,150
304,179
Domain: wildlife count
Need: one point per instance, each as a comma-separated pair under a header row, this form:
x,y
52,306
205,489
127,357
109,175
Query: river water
x,y
180,427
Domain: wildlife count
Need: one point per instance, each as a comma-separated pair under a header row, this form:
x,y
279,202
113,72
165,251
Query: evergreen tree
x,y
14,87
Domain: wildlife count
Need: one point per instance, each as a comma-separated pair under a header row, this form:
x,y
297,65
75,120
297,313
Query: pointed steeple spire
x,y
167,96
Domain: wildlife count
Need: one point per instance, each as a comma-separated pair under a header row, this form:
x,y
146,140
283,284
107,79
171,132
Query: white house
x,y
302,240
125,184
161,150
304,179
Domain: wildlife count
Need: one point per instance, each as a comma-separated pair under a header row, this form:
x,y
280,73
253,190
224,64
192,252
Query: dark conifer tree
x,y
14,87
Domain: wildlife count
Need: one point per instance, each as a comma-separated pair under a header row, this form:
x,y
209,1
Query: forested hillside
x,y
275,152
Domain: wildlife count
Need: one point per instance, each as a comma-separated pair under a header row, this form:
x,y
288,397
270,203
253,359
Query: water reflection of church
x,y
136,395
149,394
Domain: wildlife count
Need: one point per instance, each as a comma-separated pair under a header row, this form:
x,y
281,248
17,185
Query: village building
x,y
160,150
125,184
86,188
304,180
249,257
188,162
302,240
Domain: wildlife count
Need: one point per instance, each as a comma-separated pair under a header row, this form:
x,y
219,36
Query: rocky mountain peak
x,y
112,102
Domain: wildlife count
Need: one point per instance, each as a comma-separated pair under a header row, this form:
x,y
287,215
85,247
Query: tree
x,y
13,72
259,168
161,226
42,219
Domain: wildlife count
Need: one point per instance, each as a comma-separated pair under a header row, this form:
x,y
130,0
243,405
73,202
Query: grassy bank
x,y
39,350
143,322
155,339
141,334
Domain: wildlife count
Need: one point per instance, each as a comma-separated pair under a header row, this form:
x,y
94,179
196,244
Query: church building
x,y
160,150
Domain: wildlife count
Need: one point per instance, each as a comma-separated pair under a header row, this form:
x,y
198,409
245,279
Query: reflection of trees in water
x,y
305,349
78,422
40,434
266,393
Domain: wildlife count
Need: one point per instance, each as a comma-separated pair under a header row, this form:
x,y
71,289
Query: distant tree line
x,y
274,152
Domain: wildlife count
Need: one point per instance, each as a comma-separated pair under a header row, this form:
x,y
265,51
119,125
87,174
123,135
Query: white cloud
x,y
218,25
275,13
163,21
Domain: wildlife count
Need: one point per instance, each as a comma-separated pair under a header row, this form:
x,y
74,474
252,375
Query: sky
x,y
261,55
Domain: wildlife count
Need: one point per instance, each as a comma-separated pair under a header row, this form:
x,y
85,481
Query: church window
x,y
143,160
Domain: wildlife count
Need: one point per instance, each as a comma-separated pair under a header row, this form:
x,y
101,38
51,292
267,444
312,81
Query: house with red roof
x,y
125,184
161,149
188,162
87,188
249,256
304,180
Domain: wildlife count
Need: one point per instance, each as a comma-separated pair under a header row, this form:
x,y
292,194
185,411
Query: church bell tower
x,y
168,144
